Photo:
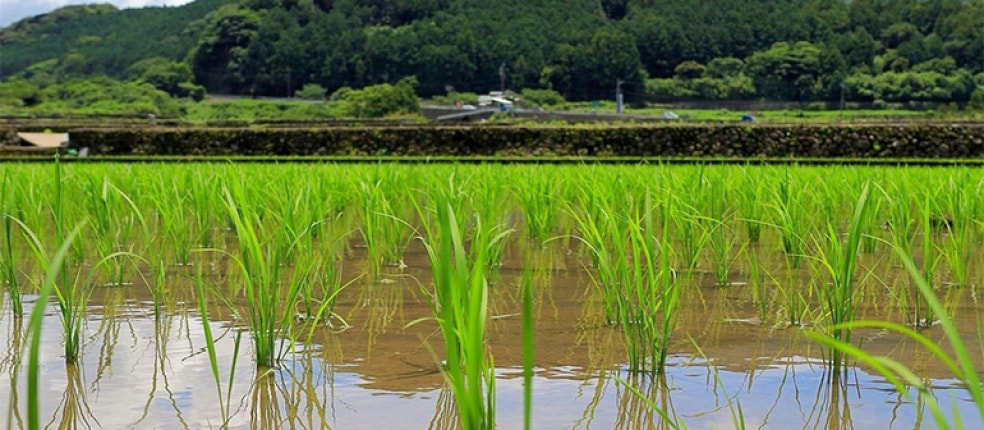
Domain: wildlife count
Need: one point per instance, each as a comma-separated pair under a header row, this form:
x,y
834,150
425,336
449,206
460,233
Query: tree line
x,y
892,51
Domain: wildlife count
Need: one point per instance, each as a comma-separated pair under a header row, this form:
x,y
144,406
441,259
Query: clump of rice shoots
x,y
840,299
460,305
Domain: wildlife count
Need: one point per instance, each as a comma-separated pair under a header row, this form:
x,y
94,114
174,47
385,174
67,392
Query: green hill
x,y
108,39
802,50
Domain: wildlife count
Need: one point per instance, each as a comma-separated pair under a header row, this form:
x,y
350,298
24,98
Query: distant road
x,y
431,112
232,97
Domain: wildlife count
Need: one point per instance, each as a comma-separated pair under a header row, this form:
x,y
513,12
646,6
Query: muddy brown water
x,y
381,373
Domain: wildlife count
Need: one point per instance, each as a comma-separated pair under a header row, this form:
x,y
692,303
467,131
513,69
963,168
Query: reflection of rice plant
x,y
528,358
225,403
630,403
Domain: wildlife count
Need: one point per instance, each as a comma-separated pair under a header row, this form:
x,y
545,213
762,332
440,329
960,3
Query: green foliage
x,y
734,87
107,38
377,101
216,58
252,110
731,49
311,92
976,101
786,71
18,92
912,86
690,70
545,97
103,96
172,77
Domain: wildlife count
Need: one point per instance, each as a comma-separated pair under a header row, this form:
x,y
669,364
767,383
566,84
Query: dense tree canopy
x,y
801,50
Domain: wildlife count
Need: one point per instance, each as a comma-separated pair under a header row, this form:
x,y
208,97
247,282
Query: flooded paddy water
x,y
359,346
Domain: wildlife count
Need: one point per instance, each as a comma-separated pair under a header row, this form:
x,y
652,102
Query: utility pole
x,y
843,99
502,77
289,92
618,96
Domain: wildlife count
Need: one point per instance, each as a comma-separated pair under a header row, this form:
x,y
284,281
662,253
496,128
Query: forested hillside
x,y
802,50
100,39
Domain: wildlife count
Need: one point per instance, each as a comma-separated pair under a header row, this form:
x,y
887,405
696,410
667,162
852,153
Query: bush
x,y
19,92
192,91
976,101
542,97
172,77
377,101
311,92
104,96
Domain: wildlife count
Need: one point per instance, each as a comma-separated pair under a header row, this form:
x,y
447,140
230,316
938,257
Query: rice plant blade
x,y
54,268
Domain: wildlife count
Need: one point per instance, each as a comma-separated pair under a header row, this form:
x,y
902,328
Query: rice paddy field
x,y
440,296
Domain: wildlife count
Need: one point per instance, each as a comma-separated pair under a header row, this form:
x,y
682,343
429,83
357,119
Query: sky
x,y
13,10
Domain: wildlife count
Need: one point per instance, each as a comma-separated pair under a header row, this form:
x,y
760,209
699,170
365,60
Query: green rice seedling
x,y
649,303
750,197
261,268
901,219
694,233
689,220
956,221
954,354
871,224
174,230
294,216
759,289
605,235
202,188
490,205
8,262
721,242
536,193
382,227
71,296
325,272
793,222
52,267
839,300
114,219
460,305
931,257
